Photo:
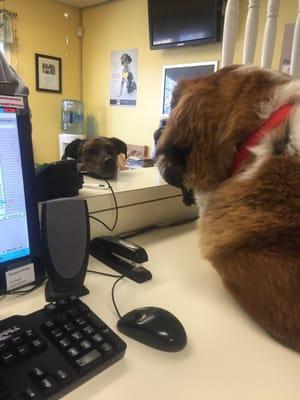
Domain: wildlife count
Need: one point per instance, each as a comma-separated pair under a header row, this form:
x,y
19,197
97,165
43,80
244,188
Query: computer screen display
x,y
20,248
172,74
14,242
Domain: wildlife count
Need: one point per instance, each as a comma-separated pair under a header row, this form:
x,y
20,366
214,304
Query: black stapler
x,y
122,256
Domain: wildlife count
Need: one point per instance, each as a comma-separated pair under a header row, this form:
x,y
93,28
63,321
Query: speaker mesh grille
x,y
67,235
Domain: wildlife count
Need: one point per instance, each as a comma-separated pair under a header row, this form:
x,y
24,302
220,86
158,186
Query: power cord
x,y
24,292
111,229
104,273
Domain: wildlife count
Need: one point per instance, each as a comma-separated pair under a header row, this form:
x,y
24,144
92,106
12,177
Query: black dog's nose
x,y
108,162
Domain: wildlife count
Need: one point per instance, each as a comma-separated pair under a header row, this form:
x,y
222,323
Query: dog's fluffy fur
x,y
250,229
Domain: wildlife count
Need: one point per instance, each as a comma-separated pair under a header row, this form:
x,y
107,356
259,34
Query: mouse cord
x,y
116,209
113,288
113,295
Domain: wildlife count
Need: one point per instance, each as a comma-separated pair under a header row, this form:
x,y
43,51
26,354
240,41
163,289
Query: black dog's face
x,y
126,59
98,157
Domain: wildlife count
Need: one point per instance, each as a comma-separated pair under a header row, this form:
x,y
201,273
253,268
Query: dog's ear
x,y
188,142
120,146
72,150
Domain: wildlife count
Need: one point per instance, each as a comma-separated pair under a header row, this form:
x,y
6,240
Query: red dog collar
x,y
256,137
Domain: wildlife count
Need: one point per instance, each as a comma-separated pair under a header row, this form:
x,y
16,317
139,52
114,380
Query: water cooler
x,y
71,123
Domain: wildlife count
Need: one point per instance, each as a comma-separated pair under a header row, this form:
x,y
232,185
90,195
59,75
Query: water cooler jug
x,y
71,123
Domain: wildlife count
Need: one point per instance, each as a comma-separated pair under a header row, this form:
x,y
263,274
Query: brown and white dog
x,y
234,138
99,157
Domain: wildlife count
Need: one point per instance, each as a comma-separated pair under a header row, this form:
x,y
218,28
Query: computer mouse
x,y
154,327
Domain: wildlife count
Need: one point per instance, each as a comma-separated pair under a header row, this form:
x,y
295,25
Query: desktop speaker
x,y
65,237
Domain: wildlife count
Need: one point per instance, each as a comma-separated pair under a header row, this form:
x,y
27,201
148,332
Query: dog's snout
x,y
171,174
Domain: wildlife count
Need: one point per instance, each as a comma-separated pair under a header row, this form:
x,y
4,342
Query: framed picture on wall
x,y
174,73
48,73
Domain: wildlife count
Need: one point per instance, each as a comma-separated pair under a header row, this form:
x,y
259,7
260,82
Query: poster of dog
x,y
123,86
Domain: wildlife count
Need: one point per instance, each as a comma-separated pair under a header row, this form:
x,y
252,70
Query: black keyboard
x,y
50,352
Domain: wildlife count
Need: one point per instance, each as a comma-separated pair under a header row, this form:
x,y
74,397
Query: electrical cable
x,y
103,273
113,295
111,229
113,288
23,292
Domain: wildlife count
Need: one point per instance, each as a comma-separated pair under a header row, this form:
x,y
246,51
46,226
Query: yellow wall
x,y
115,25
122,24
41,29
118,25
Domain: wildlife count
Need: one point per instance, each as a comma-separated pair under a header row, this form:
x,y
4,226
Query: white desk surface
x,y
227,357
129,180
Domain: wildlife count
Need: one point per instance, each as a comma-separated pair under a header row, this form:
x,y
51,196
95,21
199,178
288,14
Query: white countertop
x,y
130,187
228,357
143,199
129,180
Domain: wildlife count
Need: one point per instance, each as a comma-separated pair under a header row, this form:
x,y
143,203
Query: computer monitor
x,y
20,247
172,74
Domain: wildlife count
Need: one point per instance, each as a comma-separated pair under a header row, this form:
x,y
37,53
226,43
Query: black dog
x,y
127,75
98,157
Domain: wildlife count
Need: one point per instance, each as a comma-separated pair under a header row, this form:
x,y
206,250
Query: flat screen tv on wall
x,y
176,23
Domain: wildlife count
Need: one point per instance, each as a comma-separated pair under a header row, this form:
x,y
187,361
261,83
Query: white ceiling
x,y
81,3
